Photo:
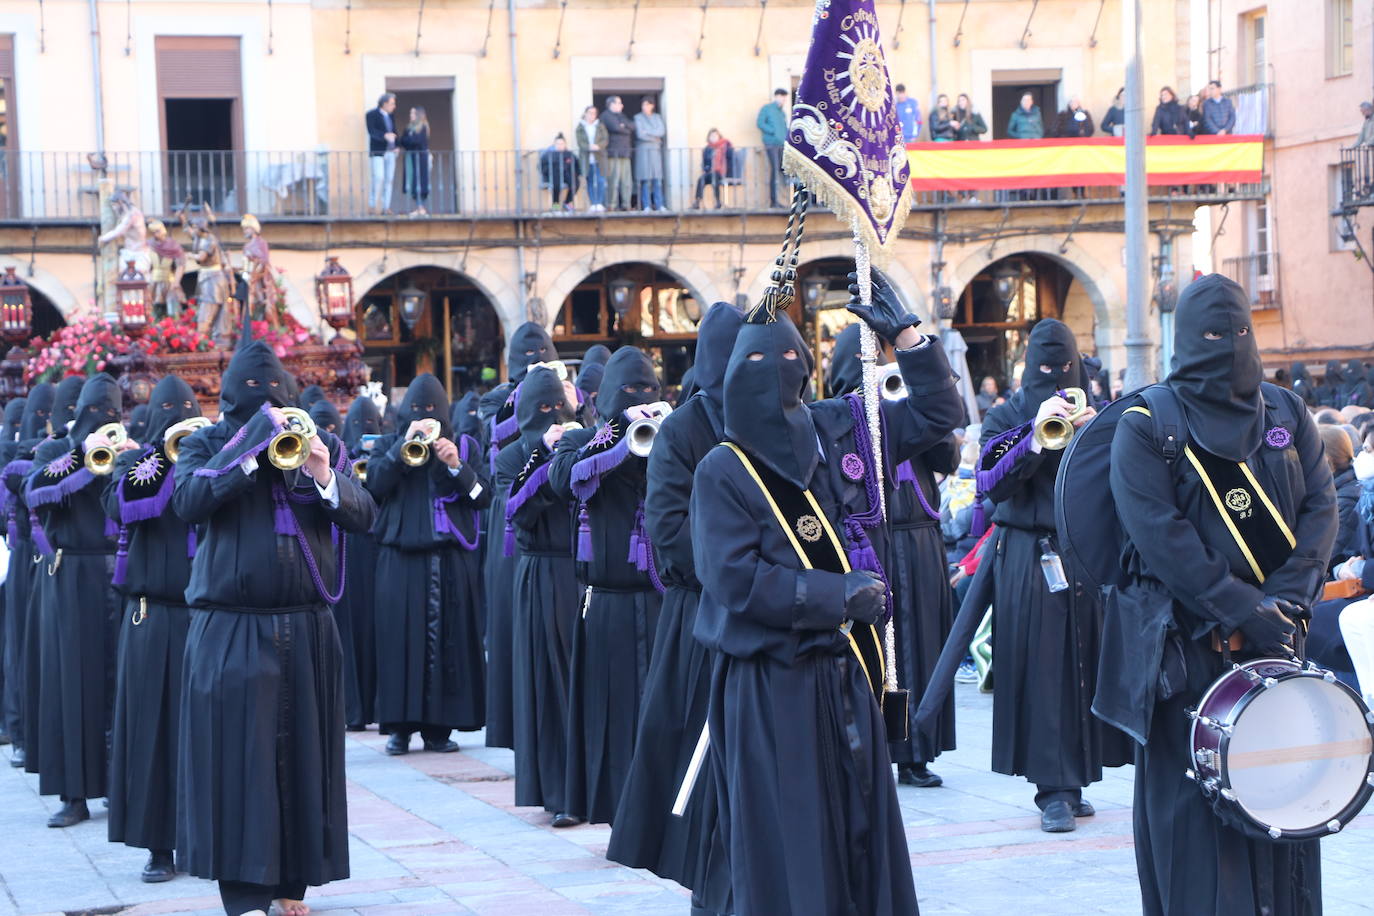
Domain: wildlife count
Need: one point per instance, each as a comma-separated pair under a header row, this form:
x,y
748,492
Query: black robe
x,y
430,669
498,574
356,619
155,553
18,458
1045,644
26,565
1188,861
262,694
545,607
78,623
686,849
613,634
806,832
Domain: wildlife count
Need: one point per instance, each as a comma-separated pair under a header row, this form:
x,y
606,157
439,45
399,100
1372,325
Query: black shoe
x,y
159,868
442,746
4,738
563,819
73,812
398,744
1057,818
1083,809
17,757
355,727
918,776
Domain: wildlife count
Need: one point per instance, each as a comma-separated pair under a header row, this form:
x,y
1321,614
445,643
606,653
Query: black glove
x,y
865,596
885,315
1270,629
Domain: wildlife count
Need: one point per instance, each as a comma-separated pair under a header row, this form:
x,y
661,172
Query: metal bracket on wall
x,y
701,39
672,240
270,30
419,22
758,36
1064,245
558,39
1025,35
634,23
897,33
467,246
1092,39
959,32
348,27
997,233
491,13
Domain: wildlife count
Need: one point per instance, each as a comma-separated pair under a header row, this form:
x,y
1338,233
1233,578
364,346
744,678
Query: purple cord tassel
x,y
509,545
121,567
40,537
283,521
190,540
978,523
585,553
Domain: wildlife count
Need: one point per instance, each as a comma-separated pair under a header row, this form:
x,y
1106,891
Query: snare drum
x,y
1288,749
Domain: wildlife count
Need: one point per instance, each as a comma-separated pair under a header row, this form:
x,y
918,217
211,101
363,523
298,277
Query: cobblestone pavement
x,y
439,834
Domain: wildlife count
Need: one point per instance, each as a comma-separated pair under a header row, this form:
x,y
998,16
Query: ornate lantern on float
x,y
132,295
16,308
413,303
622,291
334,293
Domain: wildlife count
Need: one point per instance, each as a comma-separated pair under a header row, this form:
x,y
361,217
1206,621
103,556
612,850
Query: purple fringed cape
x,y
62,477
532,476
998,457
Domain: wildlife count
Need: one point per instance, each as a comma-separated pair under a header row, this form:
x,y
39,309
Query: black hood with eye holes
x,y
1052,344
463,416
1218,381
101,402
173,390
425,400
715,342
309,395
541,387
327,416
628,366
253,378
64,403
764,411
364,419
138,423
530,336
14,415
37,411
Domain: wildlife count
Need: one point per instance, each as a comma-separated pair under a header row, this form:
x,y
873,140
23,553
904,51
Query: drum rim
x,y
1357,803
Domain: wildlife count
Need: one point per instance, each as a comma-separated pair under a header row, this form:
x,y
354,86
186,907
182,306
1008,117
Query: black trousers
x,y
240,897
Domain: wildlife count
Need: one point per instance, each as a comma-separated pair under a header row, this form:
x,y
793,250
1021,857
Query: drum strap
x,y
817,545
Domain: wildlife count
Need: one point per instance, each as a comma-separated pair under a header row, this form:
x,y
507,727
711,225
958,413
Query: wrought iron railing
x,y
1259,275
321,184
1357,177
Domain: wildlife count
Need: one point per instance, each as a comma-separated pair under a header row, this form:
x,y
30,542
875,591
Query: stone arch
x,y
503,298
911,292
46,283
688,273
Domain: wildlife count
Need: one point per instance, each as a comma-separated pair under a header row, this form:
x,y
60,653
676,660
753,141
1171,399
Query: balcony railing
x,y
1357,177
1259,275
1252,104
318,184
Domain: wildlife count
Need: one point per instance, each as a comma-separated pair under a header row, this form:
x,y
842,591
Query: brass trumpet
x,y
643,432
890,383
290,447
171,439
360,470
101,459
1055,433
415,450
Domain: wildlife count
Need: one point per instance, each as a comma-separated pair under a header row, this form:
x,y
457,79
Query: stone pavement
x,y
439,834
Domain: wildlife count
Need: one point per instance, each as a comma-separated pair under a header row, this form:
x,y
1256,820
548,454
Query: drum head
x,y
1299,754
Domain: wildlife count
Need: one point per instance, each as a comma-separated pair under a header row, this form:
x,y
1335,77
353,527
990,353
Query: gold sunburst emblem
x,y
866,74
809,527
1238,501
881,200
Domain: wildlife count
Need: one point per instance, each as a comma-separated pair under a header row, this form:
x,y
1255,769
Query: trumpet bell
x,y
891,384
1055,433
289,448
641,436
415,450
360,470
171,440
101,459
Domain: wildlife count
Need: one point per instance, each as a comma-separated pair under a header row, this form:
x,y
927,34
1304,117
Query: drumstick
x,y
1239,760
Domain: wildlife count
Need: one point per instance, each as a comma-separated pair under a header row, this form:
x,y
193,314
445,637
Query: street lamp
x,y
334,293
413,302
16,308
814,289
1004,280
132,295
944,303
622,294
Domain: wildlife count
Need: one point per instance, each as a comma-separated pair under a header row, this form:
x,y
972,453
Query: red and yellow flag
x,y
1065,163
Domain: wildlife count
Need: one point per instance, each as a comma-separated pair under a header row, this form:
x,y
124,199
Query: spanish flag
x,y
1066,163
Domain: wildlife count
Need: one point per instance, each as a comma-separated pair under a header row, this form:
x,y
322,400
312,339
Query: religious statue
x,y
131,232
168,264
257,269
215,313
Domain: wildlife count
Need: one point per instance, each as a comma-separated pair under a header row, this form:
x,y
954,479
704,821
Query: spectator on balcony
x,y
381,152
415,141
592,140
1367,128
1218,114
620,134
1074,121
559,170
772,124
944,124
908,115
649,133
1114,124
715,166
1026,123
971,123
1170,118
1193,112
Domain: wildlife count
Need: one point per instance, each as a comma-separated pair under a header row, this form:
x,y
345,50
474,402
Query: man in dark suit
x,y
381,152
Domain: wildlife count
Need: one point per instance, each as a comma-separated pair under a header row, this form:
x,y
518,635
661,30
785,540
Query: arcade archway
x,y
823,293
430,319
46,316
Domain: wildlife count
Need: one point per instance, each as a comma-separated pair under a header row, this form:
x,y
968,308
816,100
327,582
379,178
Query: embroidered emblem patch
x,y
852,466
145,469
61,465
1278,437
809,527
1238,501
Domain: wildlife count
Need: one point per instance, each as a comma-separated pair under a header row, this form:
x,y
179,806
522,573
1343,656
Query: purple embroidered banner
x,y
843,139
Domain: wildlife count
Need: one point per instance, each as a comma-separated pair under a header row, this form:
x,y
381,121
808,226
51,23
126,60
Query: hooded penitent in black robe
x,y
354,614
547,600
1303,386
63,405
310,396
685,849
1188,576
138,423
326,417
1353,389
798,745
917,569
589,381
79,606
430,671
23,644
529,344
1046,643
11,633
261,791
613,636
1330,391
152,569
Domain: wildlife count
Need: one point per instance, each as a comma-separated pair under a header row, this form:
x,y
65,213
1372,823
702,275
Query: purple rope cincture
x,y
443,524
236,440
906,473
585,552
587,473
190,541
518,499
642,550
284,517
40,537
1018,441
861,552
